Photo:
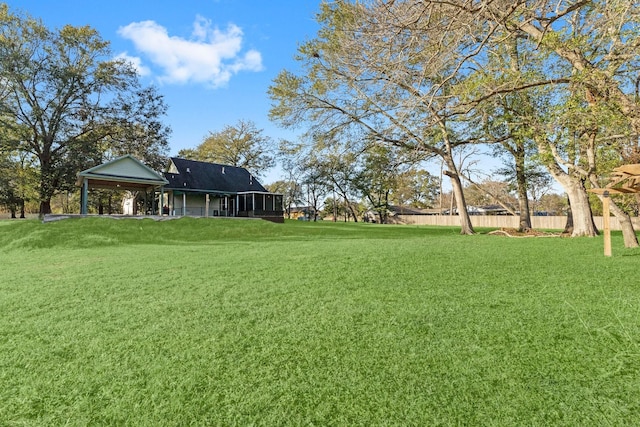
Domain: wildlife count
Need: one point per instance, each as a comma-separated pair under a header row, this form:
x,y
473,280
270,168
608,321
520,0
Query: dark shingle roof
x,y
203,176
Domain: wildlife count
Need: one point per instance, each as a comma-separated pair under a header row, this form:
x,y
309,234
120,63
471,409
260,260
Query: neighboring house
x,y
302,213
209,189
482,210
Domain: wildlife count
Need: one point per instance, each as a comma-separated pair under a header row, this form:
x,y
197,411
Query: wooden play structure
x,y
624,180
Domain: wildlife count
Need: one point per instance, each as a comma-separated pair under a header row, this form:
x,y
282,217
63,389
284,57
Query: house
x,y
209,189
482,210
303,213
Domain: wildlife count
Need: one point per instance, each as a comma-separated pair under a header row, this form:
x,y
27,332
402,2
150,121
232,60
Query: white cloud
x,y
211,56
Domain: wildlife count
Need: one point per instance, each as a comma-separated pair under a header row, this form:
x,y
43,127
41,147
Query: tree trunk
x,y
461,204
525,215
353,212
583,224
581,215
628,233
580,220
568,227
456,183
46,184
22,208
523,197
45,207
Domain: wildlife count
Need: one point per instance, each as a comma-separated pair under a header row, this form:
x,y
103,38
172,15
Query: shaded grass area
x,y
247,322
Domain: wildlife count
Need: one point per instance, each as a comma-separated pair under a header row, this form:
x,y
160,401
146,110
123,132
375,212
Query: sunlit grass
x,y
222,322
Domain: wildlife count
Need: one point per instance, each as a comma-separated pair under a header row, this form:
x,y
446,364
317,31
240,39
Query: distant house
x,y
482,210
303,213
209,189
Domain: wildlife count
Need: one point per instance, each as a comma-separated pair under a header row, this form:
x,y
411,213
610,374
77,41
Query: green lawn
x,y
231,322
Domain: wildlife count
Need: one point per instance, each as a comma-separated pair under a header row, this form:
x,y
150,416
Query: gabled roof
x,y
125,172
192,175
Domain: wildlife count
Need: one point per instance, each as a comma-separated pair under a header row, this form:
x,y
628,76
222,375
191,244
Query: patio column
x,y
184,204
84,196
144,208
206,205
153,201
161,207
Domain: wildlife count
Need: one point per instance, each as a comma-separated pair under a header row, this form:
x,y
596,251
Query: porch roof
x,y
126,173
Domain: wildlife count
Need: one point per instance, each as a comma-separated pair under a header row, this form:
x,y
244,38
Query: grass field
x,y
230,322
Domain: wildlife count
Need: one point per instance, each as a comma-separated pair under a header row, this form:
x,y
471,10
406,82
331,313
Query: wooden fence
x,y
502,221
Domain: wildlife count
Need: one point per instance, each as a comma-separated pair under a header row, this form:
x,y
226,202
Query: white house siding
x,y
195,205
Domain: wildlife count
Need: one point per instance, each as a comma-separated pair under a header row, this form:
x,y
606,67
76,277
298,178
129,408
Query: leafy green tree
x,y
291,192
291,158
377,178
314,184
241,145
140,133
499,116
378,68
535,178
66,99
18,175
585,57
416,188
340,172
489,192
341,209
8,193
552,203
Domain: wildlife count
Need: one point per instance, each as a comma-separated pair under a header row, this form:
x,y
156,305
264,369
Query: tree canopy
x,y
69,104
241,145
554,82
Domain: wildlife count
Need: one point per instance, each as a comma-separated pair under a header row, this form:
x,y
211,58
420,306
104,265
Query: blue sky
x,y
213,60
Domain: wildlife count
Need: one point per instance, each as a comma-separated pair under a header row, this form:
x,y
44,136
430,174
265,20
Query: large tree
x,y
377,178
417,188
421,75
587,56
66,98
242,145
340,171
16,175
384,68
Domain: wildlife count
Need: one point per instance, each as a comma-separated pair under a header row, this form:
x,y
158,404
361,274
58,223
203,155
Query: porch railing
x,y
199,211
261,213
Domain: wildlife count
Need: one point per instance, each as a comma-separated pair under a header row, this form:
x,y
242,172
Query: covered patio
x,y
123,173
